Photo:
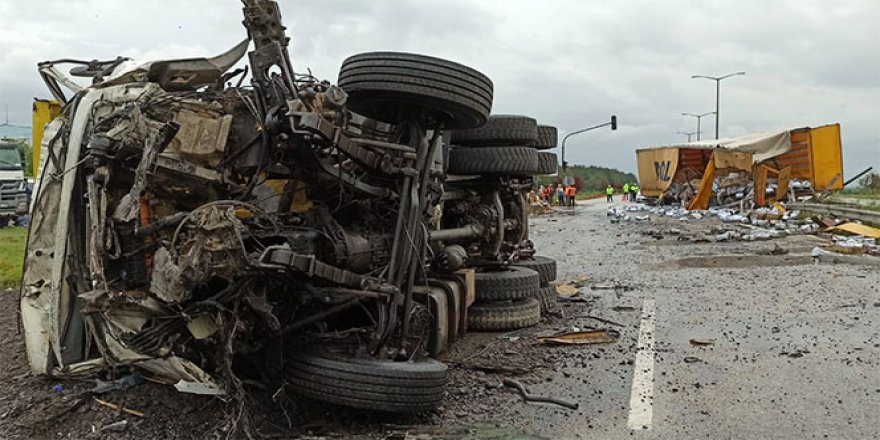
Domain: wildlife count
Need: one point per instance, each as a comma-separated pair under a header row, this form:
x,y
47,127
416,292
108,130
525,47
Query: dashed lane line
x,y
641,401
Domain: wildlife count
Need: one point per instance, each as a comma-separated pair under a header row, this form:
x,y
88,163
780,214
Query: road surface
x,y
794,353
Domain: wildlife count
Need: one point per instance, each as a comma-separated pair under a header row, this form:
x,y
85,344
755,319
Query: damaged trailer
x,y
286,231
759,169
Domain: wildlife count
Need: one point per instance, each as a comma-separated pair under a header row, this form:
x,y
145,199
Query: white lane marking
x,y
641,401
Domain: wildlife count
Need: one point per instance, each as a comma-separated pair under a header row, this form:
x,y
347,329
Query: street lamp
x,y
717,80
612,123
689,134
700,116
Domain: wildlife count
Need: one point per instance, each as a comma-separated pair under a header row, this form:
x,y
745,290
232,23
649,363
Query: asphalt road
x,y
791,348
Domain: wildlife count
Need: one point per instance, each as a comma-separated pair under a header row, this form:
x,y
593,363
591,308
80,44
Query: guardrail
x,y
862,215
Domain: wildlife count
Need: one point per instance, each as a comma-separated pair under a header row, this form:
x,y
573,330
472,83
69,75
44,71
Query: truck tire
x,y
500,130
517,161
547,163
547,138
380,385
513,283
386,86
501,316
547,297
545,266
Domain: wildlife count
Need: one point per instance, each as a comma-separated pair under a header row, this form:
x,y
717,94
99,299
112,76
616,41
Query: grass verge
x,y
12,244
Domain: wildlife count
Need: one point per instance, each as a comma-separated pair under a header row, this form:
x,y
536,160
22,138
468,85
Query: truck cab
x,y
13,186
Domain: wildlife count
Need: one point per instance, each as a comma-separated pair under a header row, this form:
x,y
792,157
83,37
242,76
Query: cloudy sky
x,y
567,63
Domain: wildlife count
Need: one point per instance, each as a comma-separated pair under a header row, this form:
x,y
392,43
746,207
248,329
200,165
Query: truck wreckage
x,y
290,232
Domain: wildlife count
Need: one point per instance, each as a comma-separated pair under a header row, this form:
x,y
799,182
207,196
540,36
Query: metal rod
x,y
857,176
319,316
469,231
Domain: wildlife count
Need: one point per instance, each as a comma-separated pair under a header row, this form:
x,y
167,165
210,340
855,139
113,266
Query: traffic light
x,y
613,122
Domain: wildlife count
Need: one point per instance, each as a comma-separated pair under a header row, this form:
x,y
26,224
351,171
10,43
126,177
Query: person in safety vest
x,y
625,192
609,193
633,191
569,195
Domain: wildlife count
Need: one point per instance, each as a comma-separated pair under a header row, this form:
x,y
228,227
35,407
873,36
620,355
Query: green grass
x,y
12,244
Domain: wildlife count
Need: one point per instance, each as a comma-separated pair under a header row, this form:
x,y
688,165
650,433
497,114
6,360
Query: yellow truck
x,y
809,159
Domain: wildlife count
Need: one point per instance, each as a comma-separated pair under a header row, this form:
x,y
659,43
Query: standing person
x,y
560,195
609,193
634,191
626,191
573,196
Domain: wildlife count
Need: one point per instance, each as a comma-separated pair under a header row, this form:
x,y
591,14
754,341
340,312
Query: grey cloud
x,y
567,62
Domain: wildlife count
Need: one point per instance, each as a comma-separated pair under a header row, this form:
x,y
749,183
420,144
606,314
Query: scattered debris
x,y
599,336
777,250
510,383
118,408
115,426
123,383
481,431
823,256
692,360
566,290
799,353
496,369
702,342
606,321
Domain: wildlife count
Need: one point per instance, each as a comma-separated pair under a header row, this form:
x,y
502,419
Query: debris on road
x,y
118,408
584,337
566,290
510,383
824,256
702,342
857,229
482,431
123,383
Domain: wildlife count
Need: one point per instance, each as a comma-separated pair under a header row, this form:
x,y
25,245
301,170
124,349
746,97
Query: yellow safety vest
x,y
609,190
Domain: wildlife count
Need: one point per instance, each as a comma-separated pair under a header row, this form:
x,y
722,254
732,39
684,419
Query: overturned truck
x,y
288,231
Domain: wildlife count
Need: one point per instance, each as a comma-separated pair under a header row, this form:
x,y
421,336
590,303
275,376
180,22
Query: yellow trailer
x,y
44,111
807,154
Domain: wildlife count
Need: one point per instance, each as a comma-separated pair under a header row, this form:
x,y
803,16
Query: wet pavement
x,y
743,345
738,340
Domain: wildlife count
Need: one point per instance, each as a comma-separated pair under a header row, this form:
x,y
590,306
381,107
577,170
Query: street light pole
x,y
612,123
700,116
717,80
689,134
